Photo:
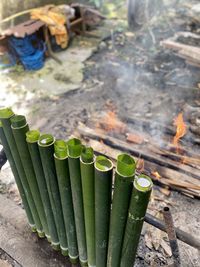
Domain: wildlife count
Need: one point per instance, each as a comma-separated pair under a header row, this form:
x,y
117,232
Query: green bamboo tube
x,y
124,177
62,170
142,186
6,115
46,148
20,128
17,177
103,192
87,177
32,138
74,152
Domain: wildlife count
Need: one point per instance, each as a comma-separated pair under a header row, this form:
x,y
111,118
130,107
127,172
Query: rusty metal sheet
x,y
21,30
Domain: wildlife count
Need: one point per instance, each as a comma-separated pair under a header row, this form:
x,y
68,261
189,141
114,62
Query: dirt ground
x,y
138,76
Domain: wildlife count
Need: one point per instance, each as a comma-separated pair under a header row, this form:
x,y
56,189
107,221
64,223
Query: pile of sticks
x,y
178,172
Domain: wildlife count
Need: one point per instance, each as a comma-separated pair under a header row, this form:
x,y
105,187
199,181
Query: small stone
x,y
102,45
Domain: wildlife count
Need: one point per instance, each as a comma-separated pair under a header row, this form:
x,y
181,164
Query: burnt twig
x,y
172,236
181,235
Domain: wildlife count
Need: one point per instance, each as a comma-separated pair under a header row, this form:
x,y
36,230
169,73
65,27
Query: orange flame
x,y
110,122
180,129
156,174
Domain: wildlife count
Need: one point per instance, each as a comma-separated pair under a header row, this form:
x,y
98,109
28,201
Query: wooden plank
x,y
22,245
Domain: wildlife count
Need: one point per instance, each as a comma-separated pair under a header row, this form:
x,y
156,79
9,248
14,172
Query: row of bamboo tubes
x,y
68,198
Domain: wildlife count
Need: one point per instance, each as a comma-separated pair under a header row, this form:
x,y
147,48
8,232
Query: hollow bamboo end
x,y
143,183
32,136
74,147
6,113
46,140
103,164
60,148
87,155
18,121
126,165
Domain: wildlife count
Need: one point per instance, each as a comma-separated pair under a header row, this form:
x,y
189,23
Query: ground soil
x,y
138,76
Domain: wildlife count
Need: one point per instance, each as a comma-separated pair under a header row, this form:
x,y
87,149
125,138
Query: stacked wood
x,y
173,174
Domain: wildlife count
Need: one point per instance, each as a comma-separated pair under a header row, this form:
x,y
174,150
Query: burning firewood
x,y
180,130
176,176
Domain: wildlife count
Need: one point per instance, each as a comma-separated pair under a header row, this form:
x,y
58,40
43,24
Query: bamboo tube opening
x,y
87,155
32,136
18,121
166,209
60,148
125,165
46,140
143,183
103,164
6,113
74,147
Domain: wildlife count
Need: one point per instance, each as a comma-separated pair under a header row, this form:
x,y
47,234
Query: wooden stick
x,y
51,53
181,235
169,225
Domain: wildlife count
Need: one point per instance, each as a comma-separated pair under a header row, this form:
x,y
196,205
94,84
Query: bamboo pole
x,y
32,138
74,152
10,158
62,170
122,192
103,192
20,128
87,177
142,186
5,115
46,149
